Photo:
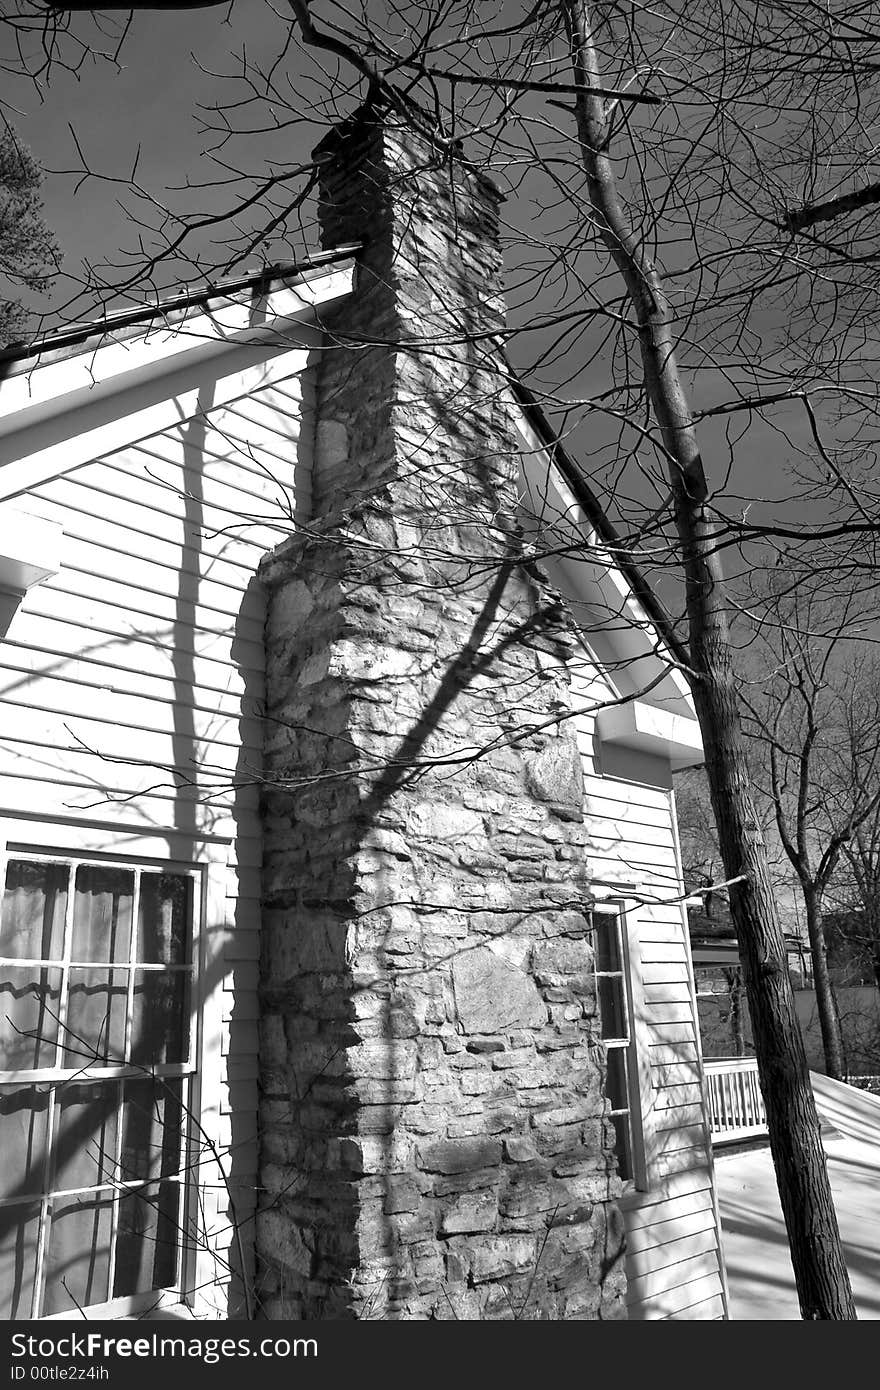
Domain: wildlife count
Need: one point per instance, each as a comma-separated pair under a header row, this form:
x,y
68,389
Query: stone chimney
x,y
433,1134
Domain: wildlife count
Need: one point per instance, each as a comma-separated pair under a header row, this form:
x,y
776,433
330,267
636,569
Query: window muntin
x,y
97,977
614,1028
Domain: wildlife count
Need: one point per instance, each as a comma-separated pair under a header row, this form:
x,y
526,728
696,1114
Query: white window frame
x,y
640,1089
199,1279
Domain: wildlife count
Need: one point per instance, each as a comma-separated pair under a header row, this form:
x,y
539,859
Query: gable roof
x,y
109,378
81,393
172,310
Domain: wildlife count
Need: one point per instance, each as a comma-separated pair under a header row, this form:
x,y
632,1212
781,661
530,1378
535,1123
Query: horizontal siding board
x,y
672,1279
626,792
121,562
35,786
709,1309
680,1137
665,991
677,1094
674,1117
672,1033
130,534
682,1196
664,1054
136,608
668,1011
657,860
677,1074
679,1300
64,619
682,1160
161,674
655,931
174,481
209,738
177,504
675,1228
79,682
606,807
672,1253
672,973
248,476
651,840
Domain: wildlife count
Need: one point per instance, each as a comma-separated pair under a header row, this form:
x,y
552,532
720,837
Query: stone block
x,y
493,994
520,1149
496,1256
459,1156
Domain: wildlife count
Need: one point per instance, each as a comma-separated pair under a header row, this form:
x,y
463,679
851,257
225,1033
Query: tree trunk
x,y
826,1008
793,1124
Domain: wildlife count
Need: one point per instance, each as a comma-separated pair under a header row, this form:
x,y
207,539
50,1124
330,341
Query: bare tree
x,y
691,188
813,717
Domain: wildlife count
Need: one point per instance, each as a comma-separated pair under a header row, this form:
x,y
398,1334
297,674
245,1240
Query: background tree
x,y
862,855
29,254
814,719
676,219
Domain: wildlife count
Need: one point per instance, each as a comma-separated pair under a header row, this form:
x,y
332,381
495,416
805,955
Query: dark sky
x,y
144,108
149,104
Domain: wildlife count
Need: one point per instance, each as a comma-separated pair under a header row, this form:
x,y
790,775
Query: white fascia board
x,y
651,729
148,391
30,549
35,456
271,323
630,634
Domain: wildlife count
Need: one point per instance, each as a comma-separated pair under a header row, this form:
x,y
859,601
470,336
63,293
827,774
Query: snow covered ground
x,y
758,1266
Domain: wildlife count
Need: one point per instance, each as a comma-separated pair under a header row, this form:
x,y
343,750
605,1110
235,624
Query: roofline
x,y
178,306
598,517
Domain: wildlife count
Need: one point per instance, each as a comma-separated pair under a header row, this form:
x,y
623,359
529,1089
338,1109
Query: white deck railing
x,y
736,1105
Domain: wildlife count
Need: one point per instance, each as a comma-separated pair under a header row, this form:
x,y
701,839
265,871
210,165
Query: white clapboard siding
x,y
160,669
131,681
233,516
118,528
33,783
129,607
662,1011
673,1260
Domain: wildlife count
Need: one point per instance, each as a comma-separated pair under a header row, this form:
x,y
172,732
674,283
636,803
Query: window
x,y
97,1070
615,1030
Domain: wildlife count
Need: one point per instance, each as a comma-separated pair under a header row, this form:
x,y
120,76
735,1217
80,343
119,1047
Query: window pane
x,y
19,1234
78,1256
151,1129
85,1146
23,1127
147,1240
623,1146
102,910
607,941
164,918
616,1088
34,908
611,1007
160,1018
29,1001
103,1132
95,1016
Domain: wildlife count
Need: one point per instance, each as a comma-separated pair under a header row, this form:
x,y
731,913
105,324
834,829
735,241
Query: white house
x,y
269,1045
